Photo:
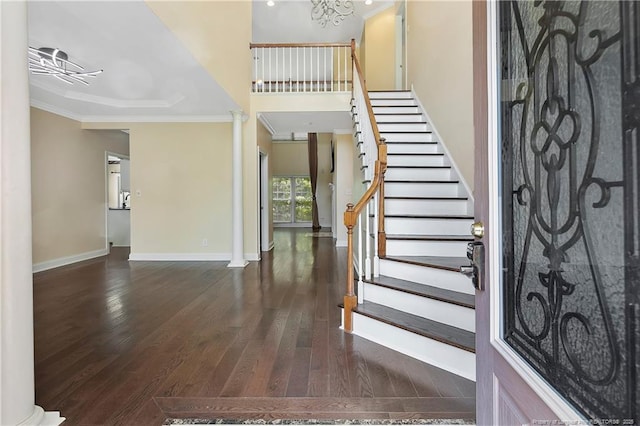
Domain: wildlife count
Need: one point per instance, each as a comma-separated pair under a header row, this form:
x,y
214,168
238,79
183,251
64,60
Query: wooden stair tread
x,y
419,181
426,216
424,198
424,290
405,131
410,142
434,330
428,154
411,237
418,167
449,263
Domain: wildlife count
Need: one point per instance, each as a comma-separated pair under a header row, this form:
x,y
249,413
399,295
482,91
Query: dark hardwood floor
x,y
133,343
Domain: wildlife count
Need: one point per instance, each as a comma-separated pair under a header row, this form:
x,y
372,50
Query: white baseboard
x,y
68,260
341,243
169,257
39,417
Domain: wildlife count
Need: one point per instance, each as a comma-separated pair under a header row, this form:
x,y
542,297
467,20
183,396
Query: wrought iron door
x,y
570,100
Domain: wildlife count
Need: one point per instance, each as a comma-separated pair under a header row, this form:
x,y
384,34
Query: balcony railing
x,y
301,67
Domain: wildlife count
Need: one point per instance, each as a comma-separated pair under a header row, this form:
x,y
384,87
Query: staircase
x,y
420,304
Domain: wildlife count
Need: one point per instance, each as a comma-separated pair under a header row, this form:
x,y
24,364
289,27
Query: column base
x,y
39,417
237,264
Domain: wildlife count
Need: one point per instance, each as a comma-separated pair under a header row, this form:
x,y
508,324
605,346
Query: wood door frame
x,y
486,191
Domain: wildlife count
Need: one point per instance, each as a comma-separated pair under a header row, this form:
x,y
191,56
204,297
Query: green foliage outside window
x,y
288,191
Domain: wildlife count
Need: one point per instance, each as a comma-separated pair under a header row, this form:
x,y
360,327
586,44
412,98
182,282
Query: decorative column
x,y
17,390
237,245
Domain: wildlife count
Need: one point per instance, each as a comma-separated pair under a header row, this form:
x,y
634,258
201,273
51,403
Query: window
x,y
291,199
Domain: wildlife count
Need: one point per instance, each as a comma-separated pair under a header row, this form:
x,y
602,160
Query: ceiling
x,y
149,75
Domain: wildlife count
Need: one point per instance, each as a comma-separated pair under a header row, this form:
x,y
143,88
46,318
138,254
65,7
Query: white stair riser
x,y
393,102
399,118
403,189
404,127
390,94
407,137
435,277
426,248
399,173
412,148
422,226
395,110
425,207
441,355
415,160
443,312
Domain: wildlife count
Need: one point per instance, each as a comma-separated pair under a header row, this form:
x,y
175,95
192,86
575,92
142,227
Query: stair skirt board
x,y
413,189
422,205
442,278
425,248
425,307
416,160
450,358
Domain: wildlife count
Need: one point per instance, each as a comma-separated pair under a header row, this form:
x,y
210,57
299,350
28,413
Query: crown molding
x,y
265,122
132,118
55,110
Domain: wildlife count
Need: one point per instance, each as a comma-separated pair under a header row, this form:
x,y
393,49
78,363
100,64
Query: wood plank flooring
x,y
132,343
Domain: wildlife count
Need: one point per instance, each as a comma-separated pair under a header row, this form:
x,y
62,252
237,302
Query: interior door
x,y
557,187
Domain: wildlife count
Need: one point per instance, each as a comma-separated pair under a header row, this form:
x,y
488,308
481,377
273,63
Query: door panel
x,y
558,179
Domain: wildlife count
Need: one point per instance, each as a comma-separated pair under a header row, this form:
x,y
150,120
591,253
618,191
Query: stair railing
x,y
300,67
374,152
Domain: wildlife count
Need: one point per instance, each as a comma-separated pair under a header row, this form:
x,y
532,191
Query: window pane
x,y
303,199
282,199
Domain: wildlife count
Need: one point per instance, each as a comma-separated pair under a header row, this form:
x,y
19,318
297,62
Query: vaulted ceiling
x,y
149,75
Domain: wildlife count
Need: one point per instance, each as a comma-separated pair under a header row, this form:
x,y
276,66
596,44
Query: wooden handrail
x,y
252,45
352,213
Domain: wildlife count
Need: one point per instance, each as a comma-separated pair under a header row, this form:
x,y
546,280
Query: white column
x,y
237,245
17,393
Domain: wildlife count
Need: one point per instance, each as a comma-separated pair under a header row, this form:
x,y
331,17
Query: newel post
x,y
350,300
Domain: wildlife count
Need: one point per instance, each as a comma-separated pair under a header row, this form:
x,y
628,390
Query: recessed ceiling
x,y
148,73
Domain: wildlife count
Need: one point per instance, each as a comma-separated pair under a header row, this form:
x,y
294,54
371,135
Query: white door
x,y
557,187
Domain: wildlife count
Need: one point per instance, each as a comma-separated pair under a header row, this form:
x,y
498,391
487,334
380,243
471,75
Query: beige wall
x,y
218,34
181,190
68,187
378,59
290,159
264,143
440,69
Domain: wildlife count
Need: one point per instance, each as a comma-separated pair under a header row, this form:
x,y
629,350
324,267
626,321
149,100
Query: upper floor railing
x,y
301,67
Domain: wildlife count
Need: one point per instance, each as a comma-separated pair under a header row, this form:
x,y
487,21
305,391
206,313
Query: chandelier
x,y
55,62
333,11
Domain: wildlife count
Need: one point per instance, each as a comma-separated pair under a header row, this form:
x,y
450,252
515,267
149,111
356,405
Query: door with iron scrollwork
x,y
567,205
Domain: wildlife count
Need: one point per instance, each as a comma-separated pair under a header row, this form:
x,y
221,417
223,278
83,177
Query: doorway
x,y
118,200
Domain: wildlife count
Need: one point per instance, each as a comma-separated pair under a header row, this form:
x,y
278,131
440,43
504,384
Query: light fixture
x,y
333,11
55,62
270,3
368,2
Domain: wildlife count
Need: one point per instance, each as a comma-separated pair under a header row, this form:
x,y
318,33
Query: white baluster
x,y
360,262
